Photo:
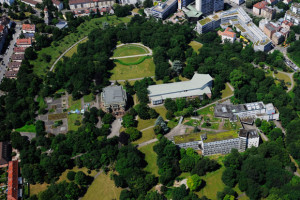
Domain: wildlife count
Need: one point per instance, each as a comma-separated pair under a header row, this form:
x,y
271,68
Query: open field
x,y
129,50
150,157
124,72
72,118
57,48
226,92
145,123
74,49
146,135
161,110
195,45
282,76
102,188
73,105
27,128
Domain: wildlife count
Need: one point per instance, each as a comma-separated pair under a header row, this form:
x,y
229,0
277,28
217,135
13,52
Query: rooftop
x,y
26,41
114,94
161,7
12,185
228,32
248,133
187,138
213,137
28,27
205,21
260,5
5,153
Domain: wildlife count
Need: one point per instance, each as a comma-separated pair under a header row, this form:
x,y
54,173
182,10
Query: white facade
x,y
253,142
293,15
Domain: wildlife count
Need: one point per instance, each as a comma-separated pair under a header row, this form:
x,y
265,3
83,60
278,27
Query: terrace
x,y
213,137
205,21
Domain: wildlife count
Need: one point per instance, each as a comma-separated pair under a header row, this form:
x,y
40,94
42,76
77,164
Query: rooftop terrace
x,y
205,21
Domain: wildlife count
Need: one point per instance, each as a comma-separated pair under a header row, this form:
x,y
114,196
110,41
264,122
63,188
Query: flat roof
x,y
163,5
187,138
213,137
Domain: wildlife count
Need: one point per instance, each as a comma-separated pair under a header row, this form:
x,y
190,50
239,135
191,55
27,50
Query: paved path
x,y
132,56
133,79
139,44
138,55
147,128
52,67
147,142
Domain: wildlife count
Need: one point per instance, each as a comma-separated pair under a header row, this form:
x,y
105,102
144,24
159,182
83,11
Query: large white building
x,y
238,2
209,6
163,9
293,15
199,85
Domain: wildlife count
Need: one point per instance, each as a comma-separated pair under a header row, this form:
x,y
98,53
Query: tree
x,y
133,133
148,3
154,196
108,118
275,133
71,175
81,179
194,182
129,121
229,177
30,54
170,105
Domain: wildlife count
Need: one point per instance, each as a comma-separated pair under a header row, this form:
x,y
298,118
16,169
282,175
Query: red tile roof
x,y
260,5
286,22
30,2
228,32
26,41
17,57
28,27
12,185
19,49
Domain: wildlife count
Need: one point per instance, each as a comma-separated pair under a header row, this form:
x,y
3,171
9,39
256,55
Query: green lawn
x,y
226,92
88,98
150,157
74,49
102,188
207,111
146,135
129,50
124,72
196,46
57,48
145,123
71,121
27,128
161,110
73,105
282,76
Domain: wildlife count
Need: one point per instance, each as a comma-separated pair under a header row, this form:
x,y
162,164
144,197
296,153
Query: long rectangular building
x,y
199,85
164,9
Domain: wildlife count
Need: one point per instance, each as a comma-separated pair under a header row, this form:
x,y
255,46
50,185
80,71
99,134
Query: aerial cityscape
x,y
150,99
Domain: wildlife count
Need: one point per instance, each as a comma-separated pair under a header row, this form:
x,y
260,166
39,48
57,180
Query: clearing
x,y
129,50
74,49
196,46
227,91
150,157
284,77
27,128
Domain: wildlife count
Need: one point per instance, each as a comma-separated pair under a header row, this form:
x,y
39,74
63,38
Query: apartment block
x,y
209,6
293,15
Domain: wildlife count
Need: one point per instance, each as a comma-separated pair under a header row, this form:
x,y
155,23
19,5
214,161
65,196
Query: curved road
x,y
52,67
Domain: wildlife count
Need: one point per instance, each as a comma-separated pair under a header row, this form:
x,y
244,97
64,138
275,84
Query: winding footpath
x,y
52,67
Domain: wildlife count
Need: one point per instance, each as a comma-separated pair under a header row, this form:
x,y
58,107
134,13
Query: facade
x,y
218,143
13,183
58,4
124,2
11,74
268,12
239,19
28,28
27,42
209,6
293,15
272,2
238,2
85,4
228,35
3,35
32,3
17,57
257,8
114,99
199,85
163,9
247,113
5,153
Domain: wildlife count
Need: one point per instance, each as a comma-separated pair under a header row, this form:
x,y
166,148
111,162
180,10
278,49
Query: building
x,y
247,113
5,153
3,35
268,12
228,35
272,2
286,24
85,4
269,30
114,99
13,182
218,143
238,2
239,19
262,24
11,74
293,15
209,6
257,8
277,38
58,4
62,25
27,42
14,66
19,50
288,2
199,85
28,28
191,13
133,2
163,9
17,57
9,2
32,3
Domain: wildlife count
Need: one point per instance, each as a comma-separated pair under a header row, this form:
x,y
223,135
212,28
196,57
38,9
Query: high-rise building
x,y
209,6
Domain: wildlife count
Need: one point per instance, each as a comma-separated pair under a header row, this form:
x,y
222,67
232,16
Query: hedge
x,y
133,63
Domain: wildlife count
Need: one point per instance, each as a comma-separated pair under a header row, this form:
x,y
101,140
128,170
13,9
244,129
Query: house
x,y
293,15
5,153
277,38
17,57
27,42
287,2
62,25
218,143
198,86
228,35
13,183
28,28
58,4
14,66
114,99
247,113
163,9
19,50
11,74
257,8
286,24
268,12
32,3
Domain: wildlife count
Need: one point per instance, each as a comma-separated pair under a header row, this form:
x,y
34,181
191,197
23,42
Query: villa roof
x,y
12,186
28,27
260,5
228,32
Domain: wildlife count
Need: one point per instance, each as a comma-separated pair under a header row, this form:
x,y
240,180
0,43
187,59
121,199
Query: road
x,y
52,67
6,56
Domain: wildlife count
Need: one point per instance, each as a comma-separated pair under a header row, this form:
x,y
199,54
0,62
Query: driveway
x,y
115,128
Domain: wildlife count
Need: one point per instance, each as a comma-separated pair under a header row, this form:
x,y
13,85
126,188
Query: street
x,y
6,56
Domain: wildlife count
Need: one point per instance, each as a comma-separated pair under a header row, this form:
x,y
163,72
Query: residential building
x,y
11,74
163,9
5,153
13,182
9,2
58,4
17,57
287,1
238,2
257,8
269,30
27,42
85,4
268,12
124,2
239,19
218,143
28,28
293,15
32,3
14,66
228,35
247,113
19,50
209,6
262,24
62,25
277,38
286,24
114,99
198,86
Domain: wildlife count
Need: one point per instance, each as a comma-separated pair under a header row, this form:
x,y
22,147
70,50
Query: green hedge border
x,y
142,59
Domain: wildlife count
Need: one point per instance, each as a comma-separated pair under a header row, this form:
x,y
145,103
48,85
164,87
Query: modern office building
x,y
293,15
199,85
85,4
209,6
218,143
163,9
